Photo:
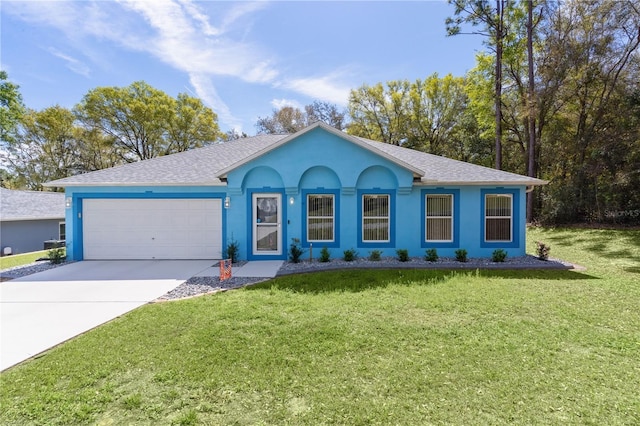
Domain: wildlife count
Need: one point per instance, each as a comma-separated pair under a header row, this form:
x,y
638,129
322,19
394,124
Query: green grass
x,y
21,259
365,347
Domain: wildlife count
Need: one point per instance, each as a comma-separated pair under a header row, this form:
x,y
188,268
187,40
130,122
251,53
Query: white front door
x,y
267,224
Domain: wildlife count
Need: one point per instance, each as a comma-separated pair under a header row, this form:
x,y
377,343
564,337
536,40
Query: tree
x,y
327,113
531,108
233,134
282,121
193,125
289,119
436,107
380,113
481,12
44,147
424,115
11,107
593,49
145,122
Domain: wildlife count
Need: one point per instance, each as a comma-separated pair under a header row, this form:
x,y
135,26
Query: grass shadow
x,y
360,280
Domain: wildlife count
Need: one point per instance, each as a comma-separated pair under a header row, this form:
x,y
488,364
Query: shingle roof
x,y
205,166
443,170
30,205
198,166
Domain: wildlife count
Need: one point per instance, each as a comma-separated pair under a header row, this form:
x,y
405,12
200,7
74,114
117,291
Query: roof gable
x,y
357,141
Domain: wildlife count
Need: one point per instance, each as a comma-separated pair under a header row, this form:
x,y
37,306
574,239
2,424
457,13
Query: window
x,y
62,234
320,217
375,218
498,217
439,217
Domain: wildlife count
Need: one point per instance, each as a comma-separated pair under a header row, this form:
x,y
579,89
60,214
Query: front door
x,y
267,224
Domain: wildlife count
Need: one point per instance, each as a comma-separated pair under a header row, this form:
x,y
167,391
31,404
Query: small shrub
x,y
374,255
403,255
350,255
132,401
231,251
432,255
57,254
542,250
324,255
295,251
461,255
498,255
187,419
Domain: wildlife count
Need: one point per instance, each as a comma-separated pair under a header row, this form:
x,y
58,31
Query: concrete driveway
x,y
42,310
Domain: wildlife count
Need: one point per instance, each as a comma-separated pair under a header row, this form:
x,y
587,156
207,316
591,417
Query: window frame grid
x,y
494,217
451,197
309,217
517,218
391,218
386,218
304,217
455,222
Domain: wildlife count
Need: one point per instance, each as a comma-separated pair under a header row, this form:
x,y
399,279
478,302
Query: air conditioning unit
x,y
7,251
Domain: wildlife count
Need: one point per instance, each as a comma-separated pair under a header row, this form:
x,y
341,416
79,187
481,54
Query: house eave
x,y
130,184
23,219
431,182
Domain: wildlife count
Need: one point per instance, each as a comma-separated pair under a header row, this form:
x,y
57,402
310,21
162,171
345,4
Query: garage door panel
x,y
152,228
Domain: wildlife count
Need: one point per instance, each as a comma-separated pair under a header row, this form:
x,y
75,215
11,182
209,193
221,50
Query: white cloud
x,y
73,64
327,88
181,33
281,103
207,92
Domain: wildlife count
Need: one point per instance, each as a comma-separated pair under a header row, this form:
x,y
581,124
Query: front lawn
x,y
365,347
21,259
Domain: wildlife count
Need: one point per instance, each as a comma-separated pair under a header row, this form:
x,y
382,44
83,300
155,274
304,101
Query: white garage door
x,y
152,228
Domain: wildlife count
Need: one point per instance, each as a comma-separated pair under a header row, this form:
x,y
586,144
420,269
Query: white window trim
x,y
388,218
510,217
65,230
332,217
427,217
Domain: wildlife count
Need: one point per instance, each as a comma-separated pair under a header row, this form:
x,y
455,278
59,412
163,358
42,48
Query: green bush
x,y
542,250
295,251
57,254
374,255
498,255
461,255
231,251
403,255
350,255
324,255
432,255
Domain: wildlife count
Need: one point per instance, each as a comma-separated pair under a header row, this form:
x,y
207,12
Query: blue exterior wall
x,y
321,162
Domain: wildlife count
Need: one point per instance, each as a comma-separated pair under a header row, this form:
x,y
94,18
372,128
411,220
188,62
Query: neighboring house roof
x,y
209,165
30,205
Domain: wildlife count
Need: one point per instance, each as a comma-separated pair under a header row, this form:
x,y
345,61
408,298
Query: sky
x,y
243,59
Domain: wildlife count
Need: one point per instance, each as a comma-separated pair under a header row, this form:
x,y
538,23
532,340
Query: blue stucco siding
x,y
320,162
314,162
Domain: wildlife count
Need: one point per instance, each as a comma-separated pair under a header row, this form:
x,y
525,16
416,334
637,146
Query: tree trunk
x,y
498,82
531,166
